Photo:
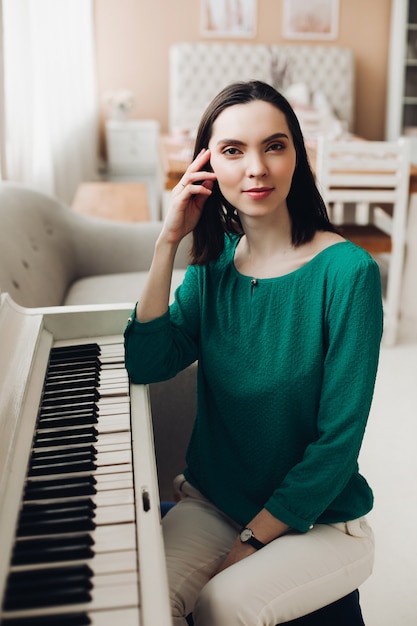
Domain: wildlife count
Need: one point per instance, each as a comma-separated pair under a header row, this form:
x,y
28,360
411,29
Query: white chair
x,y
365,186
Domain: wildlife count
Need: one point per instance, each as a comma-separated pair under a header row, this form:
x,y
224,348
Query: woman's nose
x,y
256,165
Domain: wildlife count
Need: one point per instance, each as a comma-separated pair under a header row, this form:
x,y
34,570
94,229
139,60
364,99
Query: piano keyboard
x,y
75,557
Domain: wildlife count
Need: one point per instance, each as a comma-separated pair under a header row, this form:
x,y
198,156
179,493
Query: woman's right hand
x,y
187,199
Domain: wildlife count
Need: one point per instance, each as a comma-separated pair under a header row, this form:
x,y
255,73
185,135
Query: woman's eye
x,y
231,151
276,146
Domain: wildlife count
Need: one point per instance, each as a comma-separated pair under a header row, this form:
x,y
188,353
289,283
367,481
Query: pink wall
x,y
133,38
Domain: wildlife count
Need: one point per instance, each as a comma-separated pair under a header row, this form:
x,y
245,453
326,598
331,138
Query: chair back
x,y
365,185
367,174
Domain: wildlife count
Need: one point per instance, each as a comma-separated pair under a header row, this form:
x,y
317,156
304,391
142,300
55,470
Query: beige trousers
x,y
292,576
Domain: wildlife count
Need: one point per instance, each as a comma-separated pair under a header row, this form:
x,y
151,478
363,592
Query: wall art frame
x,y
315,19
228,18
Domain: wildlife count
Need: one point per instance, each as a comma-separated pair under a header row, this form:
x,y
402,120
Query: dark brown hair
x,y
306,207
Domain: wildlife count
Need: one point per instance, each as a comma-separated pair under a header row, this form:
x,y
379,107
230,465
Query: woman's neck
x,y
266,238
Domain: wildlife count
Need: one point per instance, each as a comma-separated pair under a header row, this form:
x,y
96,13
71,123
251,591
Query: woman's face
x,y
253,156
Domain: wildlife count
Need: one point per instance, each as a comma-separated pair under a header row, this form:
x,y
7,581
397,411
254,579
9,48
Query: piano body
x,y
80,528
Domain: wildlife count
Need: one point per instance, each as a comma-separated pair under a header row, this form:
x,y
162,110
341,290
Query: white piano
x,y
80,528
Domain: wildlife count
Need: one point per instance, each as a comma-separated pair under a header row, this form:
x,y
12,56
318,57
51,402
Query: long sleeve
x,y
159,349
354,327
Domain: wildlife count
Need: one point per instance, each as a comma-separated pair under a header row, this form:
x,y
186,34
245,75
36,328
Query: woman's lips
x,y
259,193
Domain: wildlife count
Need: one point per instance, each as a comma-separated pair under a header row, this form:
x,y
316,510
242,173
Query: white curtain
x,y
51,112
2,141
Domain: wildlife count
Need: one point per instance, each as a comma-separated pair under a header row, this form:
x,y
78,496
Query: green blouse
x,y
286,373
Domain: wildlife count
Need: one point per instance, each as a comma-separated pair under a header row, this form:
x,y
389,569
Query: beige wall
x,y
133,38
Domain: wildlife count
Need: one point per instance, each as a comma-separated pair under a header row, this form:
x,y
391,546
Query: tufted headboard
x,y
199,70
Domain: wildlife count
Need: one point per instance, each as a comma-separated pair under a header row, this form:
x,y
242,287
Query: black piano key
x,y
69,440
71,376
71,523
34,510
60,488
79,452
30,598
73,387
74,353
53,549
76,430
65,467
48,587
62,421
66,437
75,619
53,576
34,518
73,365
68,411
69,594
83,397
74,370
77,367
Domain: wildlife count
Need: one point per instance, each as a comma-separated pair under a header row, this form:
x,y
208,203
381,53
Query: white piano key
x,y
112,391
125,617
114,538
114,497
113,423
113,458
109,401
110,439
113,374
111,409
109,469
120,514
114,561
114,481
111,446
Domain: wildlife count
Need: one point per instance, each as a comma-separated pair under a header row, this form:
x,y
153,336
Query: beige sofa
x,y
50,256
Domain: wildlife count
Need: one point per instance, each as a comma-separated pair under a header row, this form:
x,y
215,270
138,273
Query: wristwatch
x,y
247,536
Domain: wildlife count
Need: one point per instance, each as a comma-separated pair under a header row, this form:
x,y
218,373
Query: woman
x,y
284,317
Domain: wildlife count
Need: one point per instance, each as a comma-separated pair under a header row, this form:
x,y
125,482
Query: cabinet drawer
x,y
132,145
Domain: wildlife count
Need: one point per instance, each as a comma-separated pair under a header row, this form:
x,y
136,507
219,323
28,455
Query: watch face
x,y
246,534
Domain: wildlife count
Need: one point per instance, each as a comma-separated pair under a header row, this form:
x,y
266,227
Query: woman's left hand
x,y
238,552
266,528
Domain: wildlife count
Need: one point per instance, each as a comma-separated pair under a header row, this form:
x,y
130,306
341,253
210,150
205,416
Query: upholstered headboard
x,y
199,70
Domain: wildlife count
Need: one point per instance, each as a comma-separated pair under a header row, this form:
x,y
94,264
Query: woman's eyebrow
x,y
239,142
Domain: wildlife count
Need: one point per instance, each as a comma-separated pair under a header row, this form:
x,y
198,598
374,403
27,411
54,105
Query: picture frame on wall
x,y
228,18
315,19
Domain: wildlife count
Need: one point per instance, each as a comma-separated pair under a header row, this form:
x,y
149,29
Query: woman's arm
x,y
354,325
265,528
188,198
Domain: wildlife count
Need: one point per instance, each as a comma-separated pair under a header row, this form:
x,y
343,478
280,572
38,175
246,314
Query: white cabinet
x,y
133,155
402,73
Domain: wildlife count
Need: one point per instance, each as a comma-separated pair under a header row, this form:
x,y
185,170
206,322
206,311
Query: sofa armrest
x,y
107,247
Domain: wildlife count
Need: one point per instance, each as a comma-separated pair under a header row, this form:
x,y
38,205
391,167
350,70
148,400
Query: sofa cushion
x,y
111,288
